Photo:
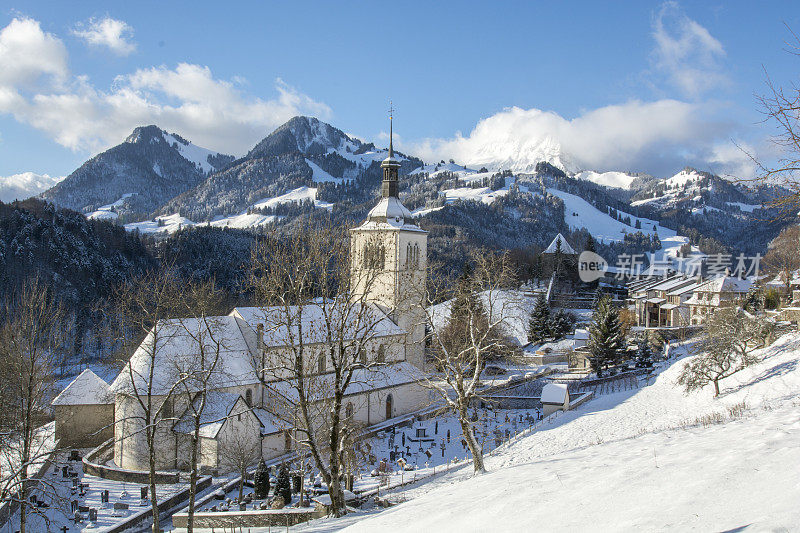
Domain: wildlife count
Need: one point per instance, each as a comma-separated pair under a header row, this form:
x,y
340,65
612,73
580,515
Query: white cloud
x,y
686,53
187,99
657,137
25,185
27,55
114,34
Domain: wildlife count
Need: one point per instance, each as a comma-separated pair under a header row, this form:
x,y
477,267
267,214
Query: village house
x,y
715,293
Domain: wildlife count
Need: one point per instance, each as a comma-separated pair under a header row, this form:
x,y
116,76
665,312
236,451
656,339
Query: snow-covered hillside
x,y
636,460
620,180
24,185
199,156
168,224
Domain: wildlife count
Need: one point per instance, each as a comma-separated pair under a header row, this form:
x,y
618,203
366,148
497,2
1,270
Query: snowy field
x,y
636,460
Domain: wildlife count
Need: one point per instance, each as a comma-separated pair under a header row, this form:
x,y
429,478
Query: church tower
x,y
389,252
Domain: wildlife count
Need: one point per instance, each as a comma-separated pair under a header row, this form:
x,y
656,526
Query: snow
x,y
167,224
554,393
191,152
86,389
481,194
565,246
244,221
620,180
437,168
24,185
298,195
109,211
581,214
749,208
639,459
318,175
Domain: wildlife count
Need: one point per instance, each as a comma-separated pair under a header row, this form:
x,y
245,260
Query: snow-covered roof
x,y
565,246
726,284
683,290
556,347
390,213
581,334
555,393
177,348
669,307
86,389
312,317
215,413
672,283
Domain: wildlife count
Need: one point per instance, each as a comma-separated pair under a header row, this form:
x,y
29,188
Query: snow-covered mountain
x,y
24,185
150,167
304,152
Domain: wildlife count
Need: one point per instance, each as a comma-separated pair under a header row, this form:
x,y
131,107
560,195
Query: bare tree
x,y
30,345
479,303
142,310
730,336
239,452
202,372
780,108
320,330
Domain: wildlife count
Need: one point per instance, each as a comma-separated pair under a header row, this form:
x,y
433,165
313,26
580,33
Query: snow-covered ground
x,y
640,459
171,223
108,211
191,152
619,180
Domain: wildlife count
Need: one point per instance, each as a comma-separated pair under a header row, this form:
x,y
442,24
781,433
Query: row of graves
x,y
67,500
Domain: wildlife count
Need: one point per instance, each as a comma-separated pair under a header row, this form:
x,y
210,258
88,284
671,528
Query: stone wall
x,y
83,426
94,464
247,519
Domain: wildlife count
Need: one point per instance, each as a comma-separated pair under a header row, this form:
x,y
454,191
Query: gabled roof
x,y
312,317
86,389
565,246
216,411
178,345
726,284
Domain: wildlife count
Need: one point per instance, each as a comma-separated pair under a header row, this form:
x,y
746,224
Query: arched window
x,y
362,356
348,411
381,354
374,256
248,398
389,406
321,363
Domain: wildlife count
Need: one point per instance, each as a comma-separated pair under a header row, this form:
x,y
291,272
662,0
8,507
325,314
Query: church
x,y
238,410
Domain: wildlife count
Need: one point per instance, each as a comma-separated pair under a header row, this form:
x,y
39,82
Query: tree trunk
x,y
716,387
153,500
472,444
193,478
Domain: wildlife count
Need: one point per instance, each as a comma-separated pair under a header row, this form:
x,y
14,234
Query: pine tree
x,y
606,344
283,485
561,324
261,480
540,322
590,244
644,355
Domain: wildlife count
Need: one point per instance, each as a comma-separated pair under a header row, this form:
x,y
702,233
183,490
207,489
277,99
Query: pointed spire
x,y
391,116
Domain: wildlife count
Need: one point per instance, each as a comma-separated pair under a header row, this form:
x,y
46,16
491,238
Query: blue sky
x,y
646,86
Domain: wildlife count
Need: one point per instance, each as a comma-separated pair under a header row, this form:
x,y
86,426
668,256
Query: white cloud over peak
x,y
187,99
686,52
116,35
657,137
24,185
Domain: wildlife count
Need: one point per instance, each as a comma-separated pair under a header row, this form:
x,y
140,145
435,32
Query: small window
x,y
248,398
381,354
348,411
362,356
321,363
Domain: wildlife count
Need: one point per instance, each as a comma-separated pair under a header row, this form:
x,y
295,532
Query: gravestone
x,y
92,515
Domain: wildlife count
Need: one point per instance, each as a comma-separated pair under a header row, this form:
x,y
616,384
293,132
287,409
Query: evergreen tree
x,y
261,480
606,344
644,355
590,244
540,322
561,324
283,486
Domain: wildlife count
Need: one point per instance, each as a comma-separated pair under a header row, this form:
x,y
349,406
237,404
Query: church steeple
x,y
390,166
